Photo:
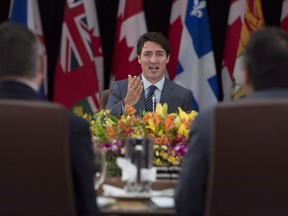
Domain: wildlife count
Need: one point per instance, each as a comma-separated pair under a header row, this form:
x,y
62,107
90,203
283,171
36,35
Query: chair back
x,y
104,97
34,160
249,159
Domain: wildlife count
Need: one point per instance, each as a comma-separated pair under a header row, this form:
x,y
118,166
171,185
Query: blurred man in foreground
x,y
21,75
265,74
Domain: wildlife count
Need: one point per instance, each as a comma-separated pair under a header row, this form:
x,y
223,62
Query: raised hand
x,y
134,90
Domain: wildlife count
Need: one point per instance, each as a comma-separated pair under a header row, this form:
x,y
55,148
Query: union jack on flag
x,y
80,63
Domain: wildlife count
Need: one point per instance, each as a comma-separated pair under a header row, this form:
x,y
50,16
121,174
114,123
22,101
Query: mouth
x,y
153,68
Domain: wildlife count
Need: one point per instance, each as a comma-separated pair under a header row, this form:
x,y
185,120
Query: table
x,y
137,206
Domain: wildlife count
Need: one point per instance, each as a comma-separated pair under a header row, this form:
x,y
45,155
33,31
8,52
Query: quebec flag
x,y
27,13
192,62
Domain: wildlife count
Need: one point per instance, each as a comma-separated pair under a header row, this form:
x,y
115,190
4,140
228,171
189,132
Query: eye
x,y
147,54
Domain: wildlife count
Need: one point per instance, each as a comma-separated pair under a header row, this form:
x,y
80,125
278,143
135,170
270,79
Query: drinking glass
x,y
139,151
101,166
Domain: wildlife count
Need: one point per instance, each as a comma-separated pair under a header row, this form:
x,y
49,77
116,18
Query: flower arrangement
x,y
168,131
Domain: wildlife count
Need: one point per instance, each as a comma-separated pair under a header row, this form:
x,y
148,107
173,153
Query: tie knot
x,y
151,89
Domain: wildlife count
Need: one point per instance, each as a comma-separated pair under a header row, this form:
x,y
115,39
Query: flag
x,y
245,16
284,16
27,13
192,63
79,69
131,25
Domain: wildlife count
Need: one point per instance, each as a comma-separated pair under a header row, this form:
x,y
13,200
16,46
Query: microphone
x,y
153,102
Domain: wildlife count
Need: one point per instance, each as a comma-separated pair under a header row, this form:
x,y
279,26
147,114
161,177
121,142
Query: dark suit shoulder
x,y
78,125
74,119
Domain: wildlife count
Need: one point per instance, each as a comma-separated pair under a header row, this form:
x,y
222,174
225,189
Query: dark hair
x,y
19,50
156,37
266,58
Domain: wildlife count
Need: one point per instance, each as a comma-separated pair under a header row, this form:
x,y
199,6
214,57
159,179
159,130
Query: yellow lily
x,y
161,109
151,125
177,121
183,131
183,115
192,114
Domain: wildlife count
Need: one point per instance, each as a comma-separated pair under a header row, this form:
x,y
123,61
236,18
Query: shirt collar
x,y
28,83
147,84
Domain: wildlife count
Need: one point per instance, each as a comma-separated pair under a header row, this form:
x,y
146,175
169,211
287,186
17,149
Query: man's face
x,y
153,60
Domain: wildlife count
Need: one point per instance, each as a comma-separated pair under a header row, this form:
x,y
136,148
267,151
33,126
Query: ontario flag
x,y
27,13
284,15
131,25
79,69
245,16
192,62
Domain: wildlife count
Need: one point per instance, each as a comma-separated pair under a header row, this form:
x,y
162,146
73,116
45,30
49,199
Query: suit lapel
x,y
167,93
140,105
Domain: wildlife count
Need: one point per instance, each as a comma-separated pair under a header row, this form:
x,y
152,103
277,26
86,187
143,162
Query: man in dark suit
x,y
21,75
265,76
153,52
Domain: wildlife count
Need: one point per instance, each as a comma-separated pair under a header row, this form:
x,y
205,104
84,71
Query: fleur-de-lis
x,y
197,8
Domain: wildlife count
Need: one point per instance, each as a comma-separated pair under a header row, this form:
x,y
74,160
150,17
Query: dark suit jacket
x,y
191,187
173,94
81,150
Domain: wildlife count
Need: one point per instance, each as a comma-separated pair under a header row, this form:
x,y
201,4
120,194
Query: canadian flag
x,y
27,13
284,15
245,16
131,24
177,18
79,70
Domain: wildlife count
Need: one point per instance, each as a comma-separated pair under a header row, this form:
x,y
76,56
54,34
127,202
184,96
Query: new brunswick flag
x,y
79,70
284,16
245,16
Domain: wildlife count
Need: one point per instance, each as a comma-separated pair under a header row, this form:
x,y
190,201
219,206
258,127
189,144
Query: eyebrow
x,y
158,51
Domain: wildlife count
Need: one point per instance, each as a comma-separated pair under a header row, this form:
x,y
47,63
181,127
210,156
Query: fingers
x,y
134,83
134,90
129,81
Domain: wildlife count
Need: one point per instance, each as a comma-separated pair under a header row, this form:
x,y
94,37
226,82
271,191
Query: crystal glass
x,y
139,151
101,167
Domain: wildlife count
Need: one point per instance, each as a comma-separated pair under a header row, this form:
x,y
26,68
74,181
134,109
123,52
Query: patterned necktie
x,y
149,102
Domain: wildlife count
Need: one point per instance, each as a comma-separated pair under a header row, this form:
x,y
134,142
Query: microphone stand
x,y
153,102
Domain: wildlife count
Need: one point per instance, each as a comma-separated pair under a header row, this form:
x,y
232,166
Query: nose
x,y
153,58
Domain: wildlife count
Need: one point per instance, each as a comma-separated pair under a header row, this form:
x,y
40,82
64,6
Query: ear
x,y
246,81
41,67
41,70
245,75
42,64
168,59
139,58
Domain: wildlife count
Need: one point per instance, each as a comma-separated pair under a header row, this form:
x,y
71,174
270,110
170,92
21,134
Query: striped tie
x,y
149,102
